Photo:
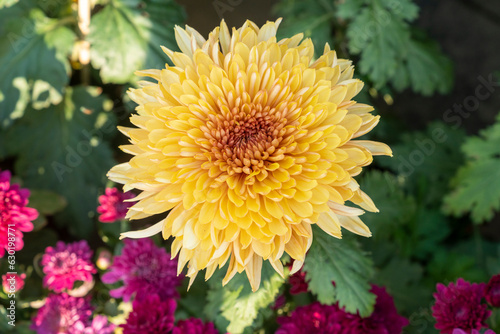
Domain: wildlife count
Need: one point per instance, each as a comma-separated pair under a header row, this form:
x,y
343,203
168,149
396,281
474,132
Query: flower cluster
x,y
15,216
63,313
248,141
113,206
144,269
459,306
324,319
65,264
149,277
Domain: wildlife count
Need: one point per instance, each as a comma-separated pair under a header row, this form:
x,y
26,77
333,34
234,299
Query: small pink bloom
x,y
13,283
113,206
65,264
15,216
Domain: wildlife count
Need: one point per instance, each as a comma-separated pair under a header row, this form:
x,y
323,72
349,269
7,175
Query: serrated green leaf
x,y
477,190
428,69
389,50
343,262
34,68
46,202
126,36
235,305
476,186
72,160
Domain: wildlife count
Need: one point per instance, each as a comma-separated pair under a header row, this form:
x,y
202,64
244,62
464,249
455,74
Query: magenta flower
x,y
459,306
13,283
15,217
298,283
323,319
113,206
61,313
65,264
384,319
474,331
150,315
144,269
492,292
194,326
99,325
314,319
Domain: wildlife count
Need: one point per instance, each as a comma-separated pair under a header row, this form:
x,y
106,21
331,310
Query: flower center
x,y
243,140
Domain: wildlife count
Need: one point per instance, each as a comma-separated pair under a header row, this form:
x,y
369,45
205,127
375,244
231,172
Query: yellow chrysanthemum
x,y
248,141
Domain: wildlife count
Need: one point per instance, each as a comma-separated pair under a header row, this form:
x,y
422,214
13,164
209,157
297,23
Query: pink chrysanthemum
x,y
144,269
113,206
459,306
323,319
65,264
14,214
384,319
13,283
61,313
194,326
492,292
99,325
150,315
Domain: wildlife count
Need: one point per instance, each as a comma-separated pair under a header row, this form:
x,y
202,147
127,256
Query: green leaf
x,y
402,280
349,9
126,36
390,51
426,161
343,262
312,18
477,189
235,305
72,160
395,207
476,186
428,69
34,68
46,202
431,229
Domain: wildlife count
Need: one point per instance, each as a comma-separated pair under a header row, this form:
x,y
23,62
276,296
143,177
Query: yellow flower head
x,y
248,141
